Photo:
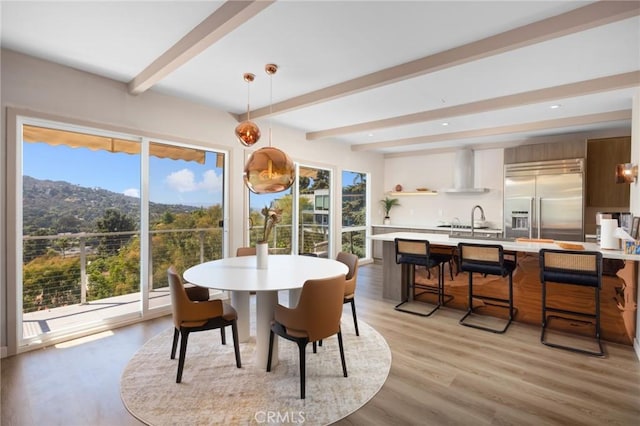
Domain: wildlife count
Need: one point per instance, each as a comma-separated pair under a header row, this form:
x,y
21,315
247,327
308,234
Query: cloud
x,y
211,182
181,181
132,192
185,181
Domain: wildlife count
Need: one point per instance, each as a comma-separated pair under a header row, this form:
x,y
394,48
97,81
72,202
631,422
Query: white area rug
x,y
213,391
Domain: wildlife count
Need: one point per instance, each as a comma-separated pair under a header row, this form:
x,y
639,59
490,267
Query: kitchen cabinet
x,y
545,152
602,157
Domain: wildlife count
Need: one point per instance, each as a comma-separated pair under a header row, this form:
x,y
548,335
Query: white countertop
x,y
442,228
527,247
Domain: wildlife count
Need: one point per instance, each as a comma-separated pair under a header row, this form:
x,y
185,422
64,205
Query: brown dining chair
x,y
191,316
196,293
351,260
316,317
245,251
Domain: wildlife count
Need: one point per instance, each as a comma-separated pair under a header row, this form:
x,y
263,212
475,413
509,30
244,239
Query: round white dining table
x,y
241,276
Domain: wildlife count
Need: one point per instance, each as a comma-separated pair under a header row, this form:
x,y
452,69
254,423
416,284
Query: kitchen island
x,y
461,231
618,295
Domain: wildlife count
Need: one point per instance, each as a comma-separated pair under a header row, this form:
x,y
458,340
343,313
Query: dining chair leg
x,y
315,347
303,367
183,353
176,334
236,343
270,351
355,318
223,335
344,363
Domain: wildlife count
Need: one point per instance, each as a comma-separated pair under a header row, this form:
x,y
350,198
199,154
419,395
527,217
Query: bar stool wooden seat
x,y
579,268
412,253
487,259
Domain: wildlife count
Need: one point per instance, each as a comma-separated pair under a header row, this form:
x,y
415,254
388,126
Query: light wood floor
x,y
442,373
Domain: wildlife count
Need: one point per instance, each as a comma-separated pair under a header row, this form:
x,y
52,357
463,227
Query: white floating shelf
x,y
401,193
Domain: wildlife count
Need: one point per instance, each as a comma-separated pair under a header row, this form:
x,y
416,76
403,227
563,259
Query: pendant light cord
x,y
270,105
248,102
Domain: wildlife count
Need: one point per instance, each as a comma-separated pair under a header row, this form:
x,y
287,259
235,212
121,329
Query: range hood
x,y
463,174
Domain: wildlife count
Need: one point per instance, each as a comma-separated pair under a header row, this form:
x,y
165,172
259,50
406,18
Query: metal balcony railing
x,y
65,269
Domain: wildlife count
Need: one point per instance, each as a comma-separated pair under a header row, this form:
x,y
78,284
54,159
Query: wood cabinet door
x,y
602,157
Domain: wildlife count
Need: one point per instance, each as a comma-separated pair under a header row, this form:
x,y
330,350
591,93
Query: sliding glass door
x,y
102,217
186,212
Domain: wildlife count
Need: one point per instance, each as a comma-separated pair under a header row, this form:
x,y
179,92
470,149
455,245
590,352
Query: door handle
x,y
530,218
539,221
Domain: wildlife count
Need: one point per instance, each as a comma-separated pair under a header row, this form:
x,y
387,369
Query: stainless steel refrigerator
x,y
544,200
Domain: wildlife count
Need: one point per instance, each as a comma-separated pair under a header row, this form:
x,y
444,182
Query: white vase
x,y
386,221
262,255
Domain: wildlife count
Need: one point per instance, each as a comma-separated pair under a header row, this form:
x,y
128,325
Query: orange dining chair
x,y
191,316
351,260
245,251
316,317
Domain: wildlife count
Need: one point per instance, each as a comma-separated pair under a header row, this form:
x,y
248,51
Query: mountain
x,y
65,207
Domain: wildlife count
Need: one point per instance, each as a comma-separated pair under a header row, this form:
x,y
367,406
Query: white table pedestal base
x,y
240,300
266,302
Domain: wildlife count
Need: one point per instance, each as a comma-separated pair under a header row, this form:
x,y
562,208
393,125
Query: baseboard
x,y
636,347
3,351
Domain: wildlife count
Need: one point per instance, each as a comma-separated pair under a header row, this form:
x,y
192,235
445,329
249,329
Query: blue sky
x,y
171,181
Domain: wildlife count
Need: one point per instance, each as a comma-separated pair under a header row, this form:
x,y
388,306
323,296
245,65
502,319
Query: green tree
x,y
50,281
114,221
168,217
67,223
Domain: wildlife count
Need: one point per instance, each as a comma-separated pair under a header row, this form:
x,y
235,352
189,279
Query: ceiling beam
x,y
581,19
224,20
501,130
581,88
604,133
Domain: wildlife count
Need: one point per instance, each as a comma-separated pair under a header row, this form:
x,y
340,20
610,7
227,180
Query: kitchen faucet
x,y
455,223
473,210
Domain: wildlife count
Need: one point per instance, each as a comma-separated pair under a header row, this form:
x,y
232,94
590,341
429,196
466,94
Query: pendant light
x,y
269,169
248,132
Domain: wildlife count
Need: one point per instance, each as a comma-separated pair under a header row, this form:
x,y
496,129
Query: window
x,y
354,213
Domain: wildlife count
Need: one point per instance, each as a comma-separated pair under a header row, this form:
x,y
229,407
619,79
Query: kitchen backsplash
x,y
435,171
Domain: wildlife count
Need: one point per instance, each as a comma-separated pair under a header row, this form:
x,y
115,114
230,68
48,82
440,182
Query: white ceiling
x,y
491,93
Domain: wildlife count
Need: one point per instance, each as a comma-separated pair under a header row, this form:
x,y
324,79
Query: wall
x,y
435,171
37,85
635,195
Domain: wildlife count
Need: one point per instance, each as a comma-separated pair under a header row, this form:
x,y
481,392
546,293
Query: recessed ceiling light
x,y
556,106
370,134
445,124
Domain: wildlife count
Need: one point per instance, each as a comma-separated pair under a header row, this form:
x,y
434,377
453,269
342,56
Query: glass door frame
x,y
16,119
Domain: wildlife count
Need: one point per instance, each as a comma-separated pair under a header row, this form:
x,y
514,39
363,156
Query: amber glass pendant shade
x,y
268,170
248,133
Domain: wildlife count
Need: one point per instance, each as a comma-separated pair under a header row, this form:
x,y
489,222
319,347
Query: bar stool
x,y
412,253
582,268
487,259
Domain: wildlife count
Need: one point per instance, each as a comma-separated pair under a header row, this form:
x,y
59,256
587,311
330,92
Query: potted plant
x,y
387,203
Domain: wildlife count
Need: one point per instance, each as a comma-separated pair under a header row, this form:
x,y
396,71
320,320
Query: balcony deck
x,y
66,317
